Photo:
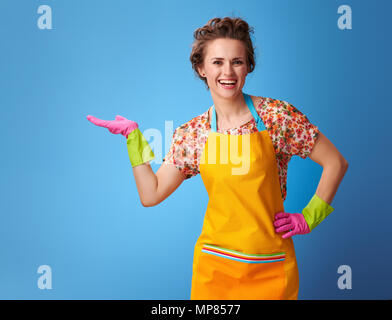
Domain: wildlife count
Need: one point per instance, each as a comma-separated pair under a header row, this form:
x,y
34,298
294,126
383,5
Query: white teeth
x,y
227,82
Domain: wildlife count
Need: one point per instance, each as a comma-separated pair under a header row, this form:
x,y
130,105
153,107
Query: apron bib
x,y
238,254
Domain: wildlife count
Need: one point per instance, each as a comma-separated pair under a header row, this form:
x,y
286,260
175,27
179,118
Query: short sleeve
x,y
182,153
298,133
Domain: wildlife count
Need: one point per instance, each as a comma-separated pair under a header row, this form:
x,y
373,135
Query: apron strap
x,y
252,109
213,119
249,103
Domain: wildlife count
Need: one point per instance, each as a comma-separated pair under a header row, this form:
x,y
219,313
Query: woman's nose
x,y
228,69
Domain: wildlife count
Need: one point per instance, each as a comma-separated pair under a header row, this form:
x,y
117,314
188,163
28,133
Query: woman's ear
x,y
201,72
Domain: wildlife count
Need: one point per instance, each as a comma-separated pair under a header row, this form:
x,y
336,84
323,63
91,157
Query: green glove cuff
x,y
316,211
139,151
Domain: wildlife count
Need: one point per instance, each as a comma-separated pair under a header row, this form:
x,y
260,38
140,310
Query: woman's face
x,y
225,59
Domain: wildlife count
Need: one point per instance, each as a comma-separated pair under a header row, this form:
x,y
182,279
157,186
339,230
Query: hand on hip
x,y
295,223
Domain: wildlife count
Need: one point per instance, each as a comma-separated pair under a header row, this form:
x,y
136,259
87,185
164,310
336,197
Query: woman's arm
x,y
154,188
334,167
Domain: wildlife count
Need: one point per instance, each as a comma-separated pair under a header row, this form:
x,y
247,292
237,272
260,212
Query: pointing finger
x,y
98,122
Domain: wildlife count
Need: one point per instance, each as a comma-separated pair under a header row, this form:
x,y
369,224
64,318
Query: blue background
x,y
68,196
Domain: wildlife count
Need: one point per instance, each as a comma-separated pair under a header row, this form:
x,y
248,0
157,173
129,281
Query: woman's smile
x,y
228,84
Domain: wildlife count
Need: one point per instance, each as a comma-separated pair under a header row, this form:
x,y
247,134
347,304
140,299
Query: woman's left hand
x,y
295,223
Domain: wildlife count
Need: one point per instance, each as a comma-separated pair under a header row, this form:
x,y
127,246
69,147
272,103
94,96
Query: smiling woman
x,y
224,69
241,252
227,28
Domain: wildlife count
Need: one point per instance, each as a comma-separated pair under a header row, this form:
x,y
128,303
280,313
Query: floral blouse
x,y
290,131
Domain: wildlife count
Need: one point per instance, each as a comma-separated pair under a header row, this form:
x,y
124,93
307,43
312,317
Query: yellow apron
x,y
238,254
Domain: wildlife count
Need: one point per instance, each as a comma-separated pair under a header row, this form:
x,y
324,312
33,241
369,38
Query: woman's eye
x,y
237,61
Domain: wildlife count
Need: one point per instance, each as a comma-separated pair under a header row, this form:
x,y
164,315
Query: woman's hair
x,y
216,28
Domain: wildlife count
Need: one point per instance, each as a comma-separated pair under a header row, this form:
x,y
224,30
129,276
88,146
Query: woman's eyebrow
x,y
219,58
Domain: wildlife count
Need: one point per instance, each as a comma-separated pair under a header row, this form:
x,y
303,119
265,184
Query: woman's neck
x,y
230,110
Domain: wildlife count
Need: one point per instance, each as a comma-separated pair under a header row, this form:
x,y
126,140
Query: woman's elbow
x,y
344,164
336,164
341,165
148,202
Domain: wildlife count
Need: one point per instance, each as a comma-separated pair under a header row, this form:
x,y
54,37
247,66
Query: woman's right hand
x,y
119,125
153,188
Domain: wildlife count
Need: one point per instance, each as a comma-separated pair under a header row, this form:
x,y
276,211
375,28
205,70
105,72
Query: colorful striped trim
x,y
243,257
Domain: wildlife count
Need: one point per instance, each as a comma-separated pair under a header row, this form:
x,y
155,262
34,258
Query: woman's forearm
x,y
331,178
147,183
152,187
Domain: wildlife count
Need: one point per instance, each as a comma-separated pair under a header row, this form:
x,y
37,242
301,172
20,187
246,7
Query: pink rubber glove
x,y
119,125
295,222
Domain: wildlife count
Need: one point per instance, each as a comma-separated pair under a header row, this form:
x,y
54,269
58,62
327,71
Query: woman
x,y
241,146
